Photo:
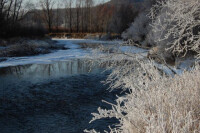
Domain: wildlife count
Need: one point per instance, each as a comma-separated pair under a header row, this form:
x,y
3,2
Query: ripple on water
x,y
53,103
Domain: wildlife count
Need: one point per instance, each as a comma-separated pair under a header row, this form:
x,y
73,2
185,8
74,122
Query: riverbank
x,y
27,47
55,93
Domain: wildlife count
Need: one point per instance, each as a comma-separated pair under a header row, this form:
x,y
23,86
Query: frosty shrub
x,y
176,25
140,27
154,102
172,25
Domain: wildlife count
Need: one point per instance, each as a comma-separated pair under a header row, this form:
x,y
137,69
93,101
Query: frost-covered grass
x,y
158,99
27,47
154,102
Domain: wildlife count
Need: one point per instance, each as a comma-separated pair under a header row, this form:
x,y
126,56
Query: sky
x,y
96,1
36,1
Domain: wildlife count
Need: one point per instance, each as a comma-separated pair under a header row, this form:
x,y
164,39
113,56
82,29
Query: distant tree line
x,y
9,15
20,18
12,13
84,16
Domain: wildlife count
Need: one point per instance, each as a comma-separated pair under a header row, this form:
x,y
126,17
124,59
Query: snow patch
x,y
132,49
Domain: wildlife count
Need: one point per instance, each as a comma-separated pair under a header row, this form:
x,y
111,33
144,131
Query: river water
x,y
53,93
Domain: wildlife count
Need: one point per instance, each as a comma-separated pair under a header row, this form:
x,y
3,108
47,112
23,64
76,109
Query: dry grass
x,y
167,105
3,43
156,103
17,47
19,50
83,35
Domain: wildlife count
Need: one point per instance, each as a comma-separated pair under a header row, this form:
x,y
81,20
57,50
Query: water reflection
x,y
52,98
60,101
39,72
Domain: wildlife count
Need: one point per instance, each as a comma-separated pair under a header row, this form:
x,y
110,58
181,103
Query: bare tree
x,y
78,10
2,12
2,4
18,8
70,15
47,8
9,9
57,15
88,4
69,4
65,13
82,15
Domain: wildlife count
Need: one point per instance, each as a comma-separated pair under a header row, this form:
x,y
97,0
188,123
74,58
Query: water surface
x,y
53,94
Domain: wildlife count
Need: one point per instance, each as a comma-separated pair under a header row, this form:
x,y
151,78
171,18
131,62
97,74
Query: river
x,y
53,93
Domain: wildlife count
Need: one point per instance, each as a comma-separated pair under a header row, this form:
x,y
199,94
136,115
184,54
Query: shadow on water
x,y
52,98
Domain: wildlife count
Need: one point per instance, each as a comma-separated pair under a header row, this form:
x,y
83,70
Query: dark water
x,y
41,72
52,98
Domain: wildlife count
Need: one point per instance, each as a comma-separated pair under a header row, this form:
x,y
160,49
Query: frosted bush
x,y
176,25
154,102
140,27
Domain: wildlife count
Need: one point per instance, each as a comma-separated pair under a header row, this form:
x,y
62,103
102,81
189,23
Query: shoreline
x,y
28,47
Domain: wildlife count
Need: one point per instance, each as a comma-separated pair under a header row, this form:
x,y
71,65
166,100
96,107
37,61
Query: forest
x,y
69,16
